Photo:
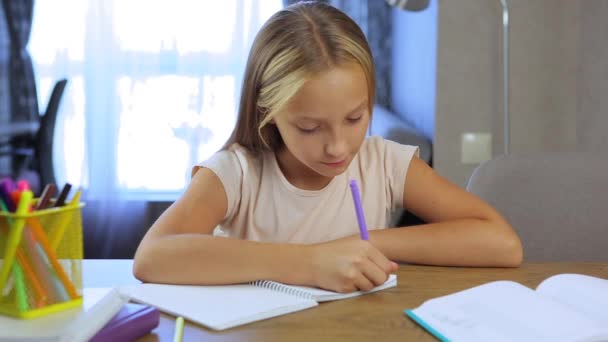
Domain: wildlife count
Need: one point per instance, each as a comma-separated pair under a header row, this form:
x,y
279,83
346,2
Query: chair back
x,y
46,135
557,202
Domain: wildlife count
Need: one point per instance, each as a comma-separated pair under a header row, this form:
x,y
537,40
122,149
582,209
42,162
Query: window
x,y
153,86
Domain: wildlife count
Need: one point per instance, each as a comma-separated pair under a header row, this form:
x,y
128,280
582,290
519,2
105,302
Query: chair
x,y
46,133
31,144
556,202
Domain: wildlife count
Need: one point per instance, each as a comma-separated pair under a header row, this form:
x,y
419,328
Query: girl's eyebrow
x,y
352,111
359,107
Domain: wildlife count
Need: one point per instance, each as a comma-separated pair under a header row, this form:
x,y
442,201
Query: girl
x,y
275,202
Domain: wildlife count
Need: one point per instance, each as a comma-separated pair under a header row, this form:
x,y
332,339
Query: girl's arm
x,y
179,248
462,229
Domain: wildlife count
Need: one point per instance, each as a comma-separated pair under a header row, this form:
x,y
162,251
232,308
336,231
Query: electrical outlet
x,y
476,147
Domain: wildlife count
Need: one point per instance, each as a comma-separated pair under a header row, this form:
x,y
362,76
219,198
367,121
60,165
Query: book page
x,y
321,295
586,294
217,307
505,311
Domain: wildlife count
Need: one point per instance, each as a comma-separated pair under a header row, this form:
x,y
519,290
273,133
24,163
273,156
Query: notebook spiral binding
x,y
271,285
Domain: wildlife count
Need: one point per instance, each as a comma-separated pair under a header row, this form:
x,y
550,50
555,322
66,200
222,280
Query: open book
x,y
227,306
565,307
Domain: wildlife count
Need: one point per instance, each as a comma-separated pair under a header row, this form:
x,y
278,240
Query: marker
x,y
63,195
179,329
20,290
15,196
51,256
40,296
59,290
10,281
359,210
23,185
63,221
41,268
5,193
13,239
40,236
48,192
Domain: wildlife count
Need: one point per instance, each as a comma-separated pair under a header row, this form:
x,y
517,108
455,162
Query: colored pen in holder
x,y
42,254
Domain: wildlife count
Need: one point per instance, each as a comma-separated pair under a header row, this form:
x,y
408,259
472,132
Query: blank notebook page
x,y
217,307
320,295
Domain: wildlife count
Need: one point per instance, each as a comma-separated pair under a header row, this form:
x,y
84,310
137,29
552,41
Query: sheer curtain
x,y
153,86
153,89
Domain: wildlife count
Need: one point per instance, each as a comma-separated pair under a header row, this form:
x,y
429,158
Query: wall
x,y
592,104
544,77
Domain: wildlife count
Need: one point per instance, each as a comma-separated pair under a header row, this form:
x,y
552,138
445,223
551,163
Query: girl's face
x,y
324,124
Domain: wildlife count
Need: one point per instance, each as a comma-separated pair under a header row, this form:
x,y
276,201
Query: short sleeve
x,y
227,167
397,158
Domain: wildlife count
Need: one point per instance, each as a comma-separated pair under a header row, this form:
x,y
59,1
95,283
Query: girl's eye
x,y
307,130
353,120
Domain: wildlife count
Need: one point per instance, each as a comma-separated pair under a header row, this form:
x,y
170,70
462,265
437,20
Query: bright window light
x,y
153,86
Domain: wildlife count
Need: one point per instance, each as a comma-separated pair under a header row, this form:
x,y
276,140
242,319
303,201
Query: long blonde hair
x,y
293,45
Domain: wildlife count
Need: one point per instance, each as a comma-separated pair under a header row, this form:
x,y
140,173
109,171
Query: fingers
x,y
363,283
374,275
381,261
357,265
363,276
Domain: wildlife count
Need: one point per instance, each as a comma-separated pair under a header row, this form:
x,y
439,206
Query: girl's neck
x,y
298,174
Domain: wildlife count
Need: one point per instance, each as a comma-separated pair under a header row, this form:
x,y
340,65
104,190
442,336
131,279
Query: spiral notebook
x,y
227,306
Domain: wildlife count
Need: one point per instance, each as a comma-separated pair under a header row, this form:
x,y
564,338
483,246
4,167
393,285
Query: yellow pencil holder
x,y
41,269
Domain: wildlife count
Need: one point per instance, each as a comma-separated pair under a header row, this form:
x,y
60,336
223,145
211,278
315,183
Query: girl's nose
x,y
336,148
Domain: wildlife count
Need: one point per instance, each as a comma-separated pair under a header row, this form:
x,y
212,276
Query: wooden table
x,y
377,316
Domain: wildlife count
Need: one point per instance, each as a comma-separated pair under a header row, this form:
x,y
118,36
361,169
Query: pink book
x,y
131,322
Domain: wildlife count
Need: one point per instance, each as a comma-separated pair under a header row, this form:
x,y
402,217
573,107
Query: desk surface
x,y
376,316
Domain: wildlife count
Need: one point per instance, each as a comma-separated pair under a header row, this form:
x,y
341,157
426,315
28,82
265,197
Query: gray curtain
x,y
22,85
4,69
374,18
18,99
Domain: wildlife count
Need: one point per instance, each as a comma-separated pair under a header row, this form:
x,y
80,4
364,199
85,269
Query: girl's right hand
x,y
348,265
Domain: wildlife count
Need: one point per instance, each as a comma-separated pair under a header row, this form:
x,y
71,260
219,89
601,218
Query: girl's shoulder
x,y
378,149
384,164
234,159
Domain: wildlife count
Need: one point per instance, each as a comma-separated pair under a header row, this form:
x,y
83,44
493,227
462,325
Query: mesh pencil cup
x,y
41,269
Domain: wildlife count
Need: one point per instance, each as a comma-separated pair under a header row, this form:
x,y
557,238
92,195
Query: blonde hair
x,y
293,45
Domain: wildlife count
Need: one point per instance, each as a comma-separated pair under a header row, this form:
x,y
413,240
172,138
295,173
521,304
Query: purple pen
x,y
359,209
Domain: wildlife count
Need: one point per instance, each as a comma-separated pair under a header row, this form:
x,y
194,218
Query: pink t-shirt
x,y
264,206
